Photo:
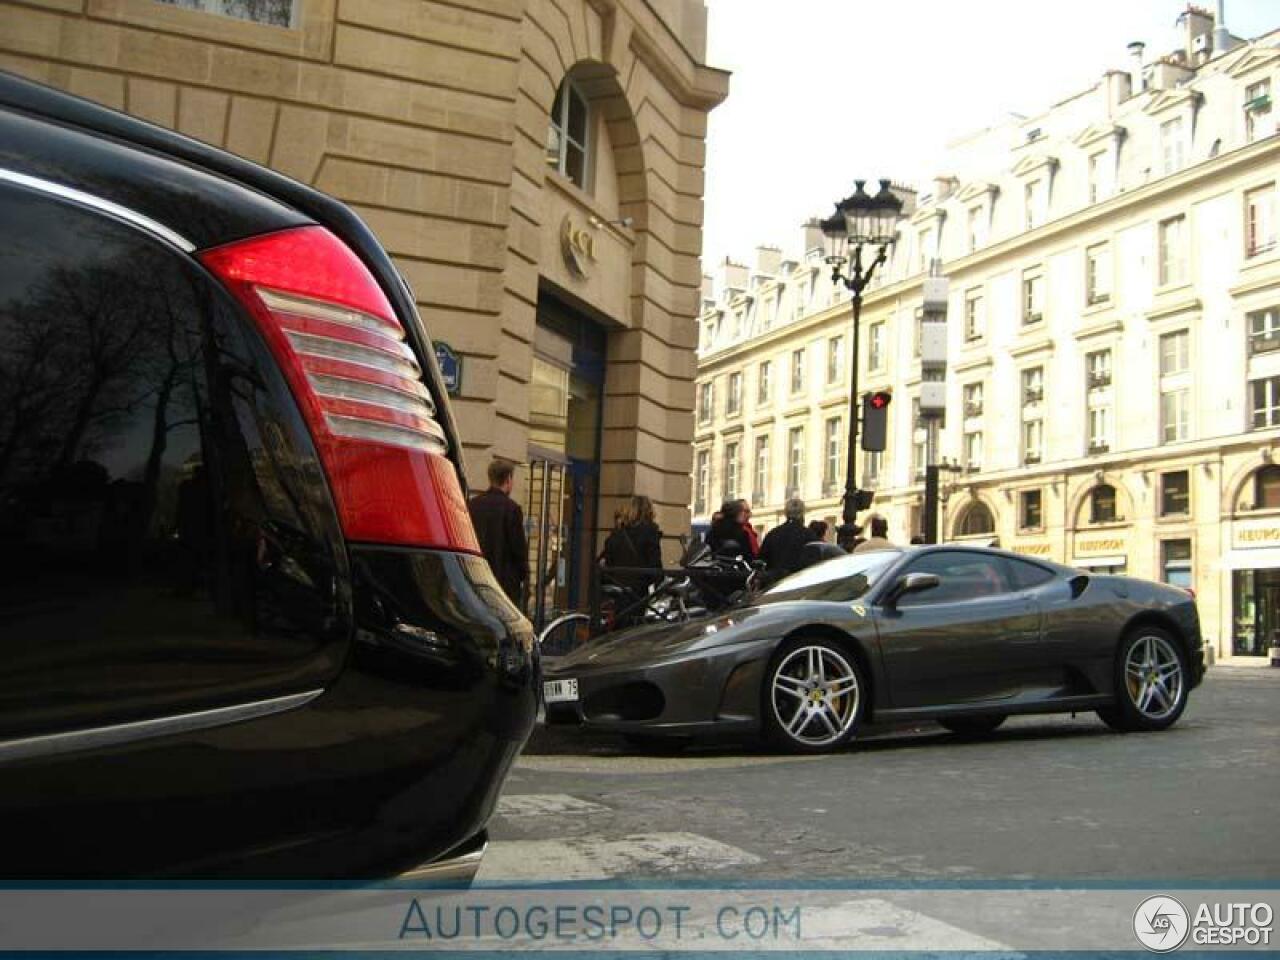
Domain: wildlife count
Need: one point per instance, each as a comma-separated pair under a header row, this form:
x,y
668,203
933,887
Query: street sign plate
x,y
450,365
560,691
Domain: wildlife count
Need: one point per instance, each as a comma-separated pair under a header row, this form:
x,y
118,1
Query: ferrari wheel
x,y
1151,682
813,696
973,726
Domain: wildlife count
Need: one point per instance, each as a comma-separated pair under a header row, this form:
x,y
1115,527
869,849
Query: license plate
x,y
559,691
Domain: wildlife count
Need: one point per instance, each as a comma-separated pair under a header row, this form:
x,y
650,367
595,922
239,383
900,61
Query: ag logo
x,y
577,246
1161,924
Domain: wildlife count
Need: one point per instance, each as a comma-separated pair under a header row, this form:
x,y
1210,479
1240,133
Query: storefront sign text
x,y
1034,549
1102,545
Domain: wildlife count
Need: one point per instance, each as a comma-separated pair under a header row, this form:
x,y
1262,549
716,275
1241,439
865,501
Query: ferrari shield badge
x,y
859,609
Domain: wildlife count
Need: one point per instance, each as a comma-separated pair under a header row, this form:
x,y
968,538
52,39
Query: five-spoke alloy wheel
x,y
1151,682
813,696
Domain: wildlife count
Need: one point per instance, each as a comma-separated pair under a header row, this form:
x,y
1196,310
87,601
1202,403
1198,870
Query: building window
x,y
1171,145
733,402
1031,204
917,334
976,522
1264,403
795,461
702,476
872,463
1097,365
764,384
1095,176
835,360
706,401
1264,330
926,248
276,13
1102,504
730,490
1099,429
919,441
875,346
973,399
834,447
1266,488
797,370
975,228
1257,111
567,134
1097,273
760,491
1172,253
1175,493
973,450
1175,563
1032,386
1032,296
973,318
1175,415
1032,440
1030,512
1260,220
1173,353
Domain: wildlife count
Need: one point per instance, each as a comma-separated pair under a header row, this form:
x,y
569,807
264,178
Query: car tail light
x,y
358,383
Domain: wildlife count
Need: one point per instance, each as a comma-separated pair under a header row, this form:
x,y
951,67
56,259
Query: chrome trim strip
x,y
99,203
95,738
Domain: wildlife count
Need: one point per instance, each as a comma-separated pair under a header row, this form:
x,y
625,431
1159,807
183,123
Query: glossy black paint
x,y
168,544
1031,646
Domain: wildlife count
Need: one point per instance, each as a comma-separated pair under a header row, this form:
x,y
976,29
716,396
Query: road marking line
x,y
598,858
545,804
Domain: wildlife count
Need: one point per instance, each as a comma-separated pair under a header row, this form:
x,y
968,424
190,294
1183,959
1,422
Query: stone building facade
x,y
1113,375
534,166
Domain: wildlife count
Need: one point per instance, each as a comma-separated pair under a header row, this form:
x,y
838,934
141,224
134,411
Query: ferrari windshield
x,y
838,580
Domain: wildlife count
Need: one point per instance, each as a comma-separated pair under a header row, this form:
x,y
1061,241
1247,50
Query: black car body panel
x,y
1049,645
198,675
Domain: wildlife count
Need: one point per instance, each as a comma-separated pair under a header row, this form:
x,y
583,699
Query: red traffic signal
x,y
880,399
875,419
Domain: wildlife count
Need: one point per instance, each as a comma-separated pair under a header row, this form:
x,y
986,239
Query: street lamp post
x,y
859,220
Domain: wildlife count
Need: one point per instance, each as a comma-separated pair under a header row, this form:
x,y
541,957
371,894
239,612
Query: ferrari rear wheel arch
x,y
814,694
1151,680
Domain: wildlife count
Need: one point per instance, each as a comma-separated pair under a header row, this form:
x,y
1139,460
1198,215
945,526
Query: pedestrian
x,y
748,529
917,540
879,539
634,545
499,524
819,529
783,547
732,534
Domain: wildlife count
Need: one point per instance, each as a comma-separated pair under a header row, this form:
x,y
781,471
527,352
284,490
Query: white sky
x,y
826,90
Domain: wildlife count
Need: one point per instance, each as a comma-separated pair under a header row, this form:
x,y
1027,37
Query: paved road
x,y
1044,799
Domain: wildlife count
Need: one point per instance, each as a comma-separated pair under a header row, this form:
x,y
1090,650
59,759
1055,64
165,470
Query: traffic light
x,y
875,420
862,500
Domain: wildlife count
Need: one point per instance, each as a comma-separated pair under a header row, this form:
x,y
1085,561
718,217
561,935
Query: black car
x,y
245,629
964,636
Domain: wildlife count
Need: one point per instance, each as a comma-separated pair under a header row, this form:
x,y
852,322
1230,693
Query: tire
x,y
1150,682
813,697
973,726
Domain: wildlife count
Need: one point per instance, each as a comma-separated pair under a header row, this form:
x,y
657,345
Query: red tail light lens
x,y
359,385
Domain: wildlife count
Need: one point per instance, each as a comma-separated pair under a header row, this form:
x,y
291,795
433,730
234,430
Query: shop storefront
x,y
1103,553
1253,564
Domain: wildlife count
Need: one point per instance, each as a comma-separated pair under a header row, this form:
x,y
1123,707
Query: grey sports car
x,y
964,636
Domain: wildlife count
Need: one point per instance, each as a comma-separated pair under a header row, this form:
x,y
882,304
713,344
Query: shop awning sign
x,y
450,365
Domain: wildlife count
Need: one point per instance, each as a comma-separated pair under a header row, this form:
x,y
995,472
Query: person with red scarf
x,y
734,528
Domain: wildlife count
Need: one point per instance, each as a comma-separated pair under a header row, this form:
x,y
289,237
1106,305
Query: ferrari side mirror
x,y
911,583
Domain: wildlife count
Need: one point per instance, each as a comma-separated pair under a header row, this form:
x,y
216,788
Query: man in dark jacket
x,y
499,524
783,547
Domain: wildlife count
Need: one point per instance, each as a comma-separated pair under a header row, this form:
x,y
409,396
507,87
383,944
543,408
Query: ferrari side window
x,y
961,575
1027,575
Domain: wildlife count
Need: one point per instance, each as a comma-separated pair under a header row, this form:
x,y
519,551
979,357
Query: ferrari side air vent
x,y
1077,585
